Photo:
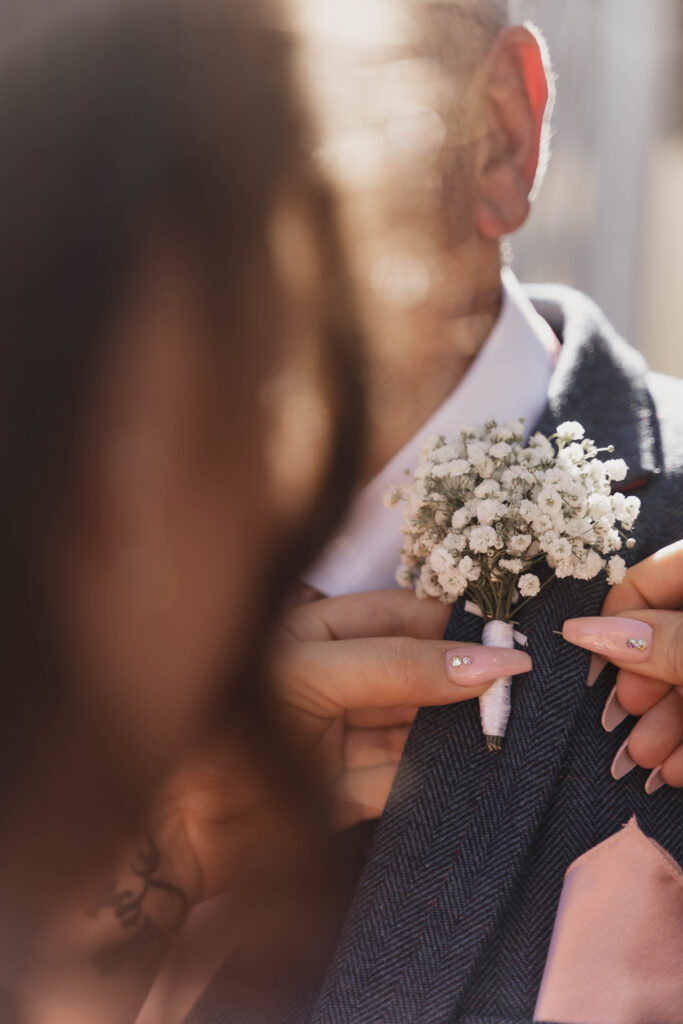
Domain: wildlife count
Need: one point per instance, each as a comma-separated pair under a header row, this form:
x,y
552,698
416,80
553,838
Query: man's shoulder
x,y
662,513
667,397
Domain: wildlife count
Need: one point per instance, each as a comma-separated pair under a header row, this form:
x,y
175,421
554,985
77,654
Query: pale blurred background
x,y
609,218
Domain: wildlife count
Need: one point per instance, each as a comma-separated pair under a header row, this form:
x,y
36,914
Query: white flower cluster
x,y
482,512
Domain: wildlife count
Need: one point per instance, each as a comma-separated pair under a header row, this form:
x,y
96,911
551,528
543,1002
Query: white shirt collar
x,y
508,380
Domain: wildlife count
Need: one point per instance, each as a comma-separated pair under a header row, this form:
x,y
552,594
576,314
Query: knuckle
x,y
404,655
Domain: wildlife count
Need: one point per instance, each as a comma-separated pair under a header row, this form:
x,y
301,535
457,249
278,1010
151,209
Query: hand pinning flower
x,y
481,513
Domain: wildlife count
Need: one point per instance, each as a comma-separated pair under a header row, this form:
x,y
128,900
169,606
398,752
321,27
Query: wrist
x,y
96,958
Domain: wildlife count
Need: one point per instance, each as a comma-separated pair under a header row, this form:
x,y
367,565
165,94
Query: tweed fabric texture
x,y
453,914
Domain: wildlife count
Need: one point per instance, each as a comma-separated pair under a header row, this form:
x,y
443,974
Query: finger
x,y
326,679
362,795
375,613
378,718
656,582
369,748
672,769
650,642
658,733
637,694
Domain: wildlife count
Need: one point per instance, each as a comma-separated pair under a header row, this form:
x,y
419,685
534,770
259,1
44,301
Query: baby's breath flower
x,y
542,447
430,444
573,454
487,494
453,468
549,501
516,428
460,519
455,542
440,559
616,570
616,469
487,489
600,506
470,569
404,577
500,451
570,431
513,565
592,565
393,497
560,550
630,512
519,543
482,539
489,510
612,542
445,453
529,585
453,584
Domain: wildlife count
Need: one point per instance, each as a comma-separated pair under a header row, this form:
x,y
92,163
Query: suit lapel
x,y
460,822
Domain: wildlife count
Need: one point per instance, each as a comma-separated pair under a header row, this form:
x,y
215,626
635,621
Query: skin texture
x,y
652,690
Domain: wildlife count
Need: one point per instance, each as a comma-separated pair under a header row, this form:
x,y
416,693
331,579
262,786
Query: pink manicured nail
x,y
472,666
614,714
620,640
596,667
654,781
623,762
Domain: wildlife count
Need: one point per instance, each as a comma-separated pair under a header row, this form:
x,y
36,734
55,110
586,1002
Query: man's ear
x,y
514,95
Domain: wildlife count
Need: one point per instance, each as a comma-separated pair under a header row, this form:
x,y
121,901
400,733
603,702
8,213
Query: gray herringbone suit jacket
x,y
452,917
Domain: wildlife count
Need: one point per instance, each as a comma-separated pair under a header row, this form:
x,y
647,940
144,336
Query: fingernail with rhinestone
x,y
624,641
475,666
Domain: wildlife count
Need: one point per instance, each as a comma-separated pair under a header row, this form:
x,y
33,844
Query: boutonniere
x,y
483,512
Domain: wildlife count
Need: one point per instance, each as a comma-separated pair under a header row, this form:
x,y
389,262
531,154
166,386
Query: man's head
x,y
428,103
432,118
499,106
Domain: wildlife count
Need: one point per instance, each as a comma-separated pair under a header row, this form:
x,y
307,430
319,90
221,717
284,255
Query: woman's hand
x,y
351,673
641,632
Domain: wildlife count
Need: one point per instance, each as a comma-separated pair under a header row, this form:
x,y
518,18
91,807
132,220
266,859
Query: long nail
x,y
614,714
596,666
654,781
623,763
620,640
473,666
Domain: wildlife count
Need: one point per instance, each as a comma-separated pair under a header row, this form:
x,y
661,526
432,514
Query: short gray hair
x,y
460,32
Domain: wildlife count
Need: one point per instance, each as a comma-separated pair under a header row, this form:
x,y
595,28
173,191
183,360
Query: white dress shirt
x,y
508,380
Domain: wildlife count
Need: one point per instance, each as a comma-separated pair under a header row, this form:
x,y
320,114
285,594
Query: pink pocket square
x,y
616,955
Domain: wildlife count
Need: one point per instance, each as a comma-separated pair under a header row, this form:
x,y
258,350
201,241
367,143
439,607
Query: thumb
x,y
327,679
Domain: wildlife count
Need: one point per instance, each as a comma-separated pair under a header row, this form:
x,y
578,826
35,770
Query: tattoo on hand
x,y
146,937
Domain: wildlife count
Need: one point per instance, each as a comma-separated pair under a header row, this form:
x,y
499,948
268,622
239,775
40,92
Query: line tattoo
x,y
146,938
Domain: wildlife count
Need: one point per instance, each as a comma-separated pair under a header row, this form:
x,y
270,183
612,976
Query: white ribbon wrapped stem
x,y
495,705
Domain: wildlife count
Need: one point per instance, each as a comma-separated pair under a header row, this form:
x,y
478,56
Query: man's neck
x,y
407,383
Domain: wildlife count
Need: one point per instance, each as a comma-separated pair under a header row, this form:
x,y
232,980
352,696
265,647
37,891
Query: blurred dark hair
x,y
119,120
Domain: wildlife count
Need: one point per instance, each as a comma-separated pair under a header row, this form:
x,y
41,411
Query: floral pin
x,y
481,513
